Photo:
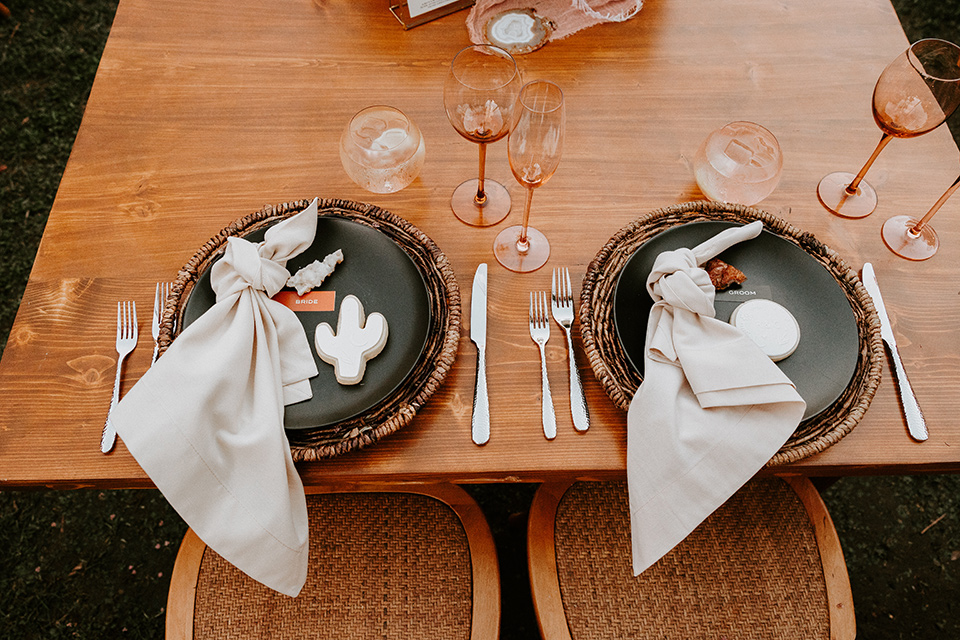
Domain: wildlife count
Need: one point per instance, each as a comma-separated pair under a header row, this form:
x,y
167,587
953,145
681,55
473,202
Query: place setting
x,y
389,268
302,331
732,340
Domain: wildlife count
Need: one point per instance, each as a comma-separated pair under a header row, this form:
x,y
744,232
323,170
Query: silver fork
x,y
126,341
159,300
561,303
540,332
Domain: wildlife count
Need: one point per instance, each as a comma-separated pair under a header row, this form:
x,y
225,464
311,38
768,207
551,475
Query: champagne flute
x,y
534,148
479,95
915,239
915,94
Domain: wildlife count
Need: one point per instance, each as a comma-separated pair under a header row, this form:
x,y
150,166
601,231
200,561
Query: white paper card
x,y
418,7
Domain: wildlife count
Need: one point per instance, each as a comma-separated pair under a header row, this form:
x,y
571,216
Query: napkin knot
x,y
676,280
243,265
263,266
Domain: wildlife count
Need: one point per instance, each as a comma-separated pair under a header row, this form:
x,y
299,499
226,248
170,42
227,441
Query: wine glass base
x,y
897,235
507,254
494,209
833,195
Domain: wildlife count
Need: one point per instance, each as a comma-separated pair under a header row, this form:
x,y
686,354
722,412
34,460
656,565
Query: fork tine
x,y
130,311
554,297
569,288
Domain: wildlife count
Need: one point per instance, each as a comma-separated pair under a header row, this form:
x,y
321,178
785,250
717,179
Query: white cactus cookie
x,y
357,340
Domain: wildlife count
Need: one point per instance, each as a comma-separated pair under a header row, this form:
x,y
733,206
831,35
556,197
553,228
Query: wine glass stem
x,y
481,196
523,244
936,207
853,186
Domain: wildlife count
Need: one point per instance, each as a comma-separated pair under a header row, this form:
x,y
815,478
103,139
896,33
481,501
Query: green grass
x,y
96,564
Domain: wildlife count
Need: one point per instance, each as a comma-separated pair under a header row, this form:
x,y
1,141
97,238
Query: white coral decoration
x,y
312,275
357,340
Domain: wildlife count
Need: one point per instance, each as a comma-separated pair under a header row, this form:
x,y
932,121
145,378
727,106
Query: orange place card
x,y
310,301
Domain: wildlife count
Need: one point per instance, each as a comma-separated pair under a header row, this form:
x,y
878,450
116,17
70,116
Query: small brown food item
x,y
723,275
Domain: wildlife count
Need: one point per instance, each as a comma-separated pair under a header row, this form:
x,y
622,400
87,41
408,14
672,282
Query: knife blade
x,y
480,423
916,425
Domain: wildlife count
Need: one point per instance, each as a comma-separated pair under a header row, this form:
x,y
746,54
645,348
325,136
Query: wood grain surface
x,y
203,112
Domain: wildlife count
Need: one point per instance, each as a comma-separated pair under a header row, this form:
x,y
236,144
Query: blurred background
x,y
96,564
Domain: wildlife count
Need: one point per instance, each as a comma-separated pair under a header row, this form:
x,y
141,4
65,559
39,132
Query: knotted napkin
x,y
712,408
206,421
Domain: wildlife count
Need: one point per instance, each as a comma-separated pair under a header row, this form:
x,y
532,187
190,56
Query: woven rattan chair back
x,y
767,564
403,563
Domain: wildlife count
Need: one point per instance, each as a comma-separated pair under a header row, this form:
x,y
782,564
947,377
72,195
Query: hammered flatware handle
x,y
109,435
916,424
549,416
578,402
480,423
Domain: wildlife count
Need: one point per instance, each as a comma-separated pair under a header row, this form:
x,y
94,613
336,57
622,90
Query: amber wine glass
x,y
915,239
533,147
479,94
915,94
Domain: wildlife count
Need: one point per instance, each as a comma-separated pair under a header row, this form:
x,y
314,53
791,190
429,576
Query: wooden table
x,y
202,112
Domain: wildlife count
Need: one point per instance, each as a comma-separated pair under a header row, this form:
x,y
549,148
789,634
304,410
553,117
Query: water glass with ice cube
x,y
739,163
381,149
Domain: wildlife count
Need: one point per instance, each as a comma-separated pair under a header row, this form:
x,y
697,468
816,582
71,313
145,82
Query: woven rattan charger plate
x,y
399,407
619,379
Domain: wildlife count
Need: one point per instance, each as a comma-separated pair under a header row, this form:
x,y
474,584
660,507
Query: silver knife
x,y
480,426
916,425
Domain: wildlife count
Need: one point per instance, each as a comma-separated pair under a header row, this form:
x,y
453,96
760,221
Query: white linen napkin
x,y
711,411
206,421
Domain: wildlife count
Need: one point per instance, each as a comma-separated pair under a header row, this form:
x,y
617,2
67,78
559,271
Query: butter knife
x,y
480,425
916,425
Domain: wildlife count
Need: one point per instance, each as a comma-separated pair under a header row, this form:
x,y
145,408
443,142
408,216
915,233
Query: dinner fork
x,y
540,332
126,341
159,301
561,302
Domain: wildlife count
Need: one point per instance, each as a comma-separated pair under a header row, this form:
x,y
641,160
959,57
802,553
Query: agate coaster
x,y
518,31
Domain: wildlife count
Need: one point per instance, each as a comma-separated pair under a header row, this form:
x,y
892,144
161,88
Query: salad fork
x,y
159,300
540,332
561,302
126,341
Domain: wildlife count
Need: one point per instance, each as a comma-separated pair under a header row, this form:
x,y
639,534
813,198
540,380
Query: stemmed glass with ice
x,y
915,94
479,94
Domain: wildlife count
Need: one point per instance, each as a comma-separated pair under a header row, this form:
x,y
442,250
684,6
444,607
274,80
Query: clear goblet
x,y
533,147
915,94
479,95
740,162
915,239
381,149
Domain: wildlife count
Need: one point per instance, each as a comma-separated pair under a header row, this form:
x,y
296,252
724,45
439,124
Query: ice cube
x,y
738,152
